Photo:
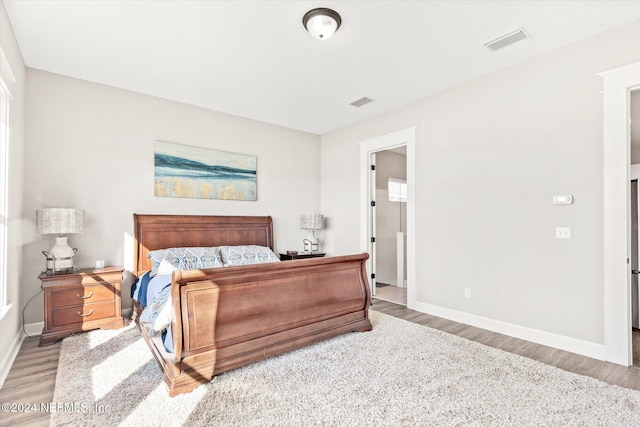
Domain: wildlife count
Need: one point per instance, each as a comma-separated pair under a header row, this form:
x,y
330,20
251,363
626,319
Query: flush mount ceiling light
x,y
321,23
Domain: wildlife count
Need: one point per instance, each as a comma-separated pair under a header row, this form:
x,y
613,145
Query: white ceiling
x,y
254,58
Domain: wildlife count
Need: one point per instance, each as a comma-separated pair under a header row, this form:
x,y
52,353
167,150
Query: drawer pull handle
x,y
85,315
87,297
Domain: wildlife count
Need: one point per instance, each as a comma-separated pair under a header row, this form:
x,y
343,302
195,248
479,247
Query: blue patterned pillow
x,y
245,255
166,261
157,315
156,258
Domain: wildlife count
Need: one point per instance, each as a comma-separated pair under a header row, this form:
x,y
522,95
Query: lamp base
x,y
60,258
311,243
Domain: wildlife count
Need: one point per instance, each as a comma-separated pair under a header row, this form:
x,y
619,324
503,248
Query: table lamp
x,y
59,221
311,222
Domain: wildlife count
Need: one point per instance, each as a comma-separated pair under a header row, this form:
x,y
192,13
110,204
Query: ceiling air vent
x,y
362,101
507,39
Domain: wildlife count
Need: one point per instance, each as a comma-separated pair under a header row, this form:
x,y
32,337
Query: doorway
x,y
368,149
389,208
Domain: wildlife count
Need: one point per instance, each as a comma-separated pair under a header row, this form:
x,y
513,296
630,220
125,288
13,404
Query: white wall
x,y
90,146
490,155
10,322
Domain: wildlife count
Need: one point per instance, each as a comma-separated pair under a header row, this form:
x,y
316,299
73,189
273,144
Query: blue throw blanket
x,y
146,287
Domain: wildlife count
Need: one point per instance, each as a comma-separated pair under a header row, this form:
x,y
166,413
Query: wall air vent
x,y
362,101
507,39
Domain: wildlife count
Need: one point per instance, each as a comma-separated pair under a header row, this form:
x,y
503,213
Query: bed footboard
x,y
228,317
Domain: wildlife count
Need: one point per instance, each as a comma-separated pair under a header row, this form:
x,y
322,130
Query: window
x,y
397,190
5,104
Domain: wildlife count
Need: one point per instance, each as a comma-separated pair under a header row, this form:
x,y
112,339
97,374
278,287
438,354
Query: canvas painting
x,y
201,173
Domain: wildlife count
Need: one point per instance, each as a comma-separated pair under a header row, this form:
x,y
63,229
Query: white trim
x,y
6,72
399,138
617,84
10,357
5,142
621,78
34,329
574,345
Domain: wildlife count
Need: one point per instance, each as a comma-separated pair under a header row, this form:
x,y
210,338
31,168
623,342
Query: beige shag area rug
x,y
399,374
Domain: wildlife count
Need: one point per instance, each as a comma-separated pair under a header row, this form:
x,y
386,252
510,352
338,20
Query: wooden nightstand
x,y
80,301
301,255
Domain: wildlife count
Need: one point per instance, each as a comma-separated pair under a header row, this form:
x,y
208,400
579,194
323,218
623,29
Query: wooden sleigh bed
x,y
228,317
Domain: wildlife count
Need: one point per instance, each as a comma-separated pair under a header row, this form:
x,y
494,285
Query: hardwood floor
x,y
611,373
392,294
32,376
31,380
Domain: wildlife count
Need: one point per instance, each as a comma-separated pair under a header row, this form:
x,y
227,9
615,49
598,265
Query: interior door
x,y
372,216
635,303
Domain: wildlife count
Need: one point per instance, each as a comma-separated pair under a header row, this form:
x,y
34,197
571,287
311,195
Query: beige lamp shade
x,y
312,221
59,221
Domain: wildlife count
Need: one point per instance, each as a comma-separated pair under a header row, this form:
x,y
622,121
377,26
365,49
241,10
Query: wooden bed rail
x,y
229,317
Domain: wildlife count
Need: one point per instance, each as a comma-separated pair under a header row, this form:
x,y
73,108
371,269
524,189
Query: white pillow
x,y
246,255
157,315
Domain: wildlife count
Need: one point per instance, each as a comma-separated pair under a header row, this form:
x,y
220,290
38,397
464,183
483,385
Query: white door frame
x,y
617,85
386,142
634,173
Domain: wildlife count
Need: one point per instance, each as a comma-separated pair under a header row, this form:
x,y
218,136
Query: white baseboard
x,y
574,345
33,329
10,356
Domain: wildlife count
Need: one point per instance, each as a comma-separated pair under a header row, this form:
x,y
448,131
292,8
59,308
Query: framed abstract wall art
x,y
202,173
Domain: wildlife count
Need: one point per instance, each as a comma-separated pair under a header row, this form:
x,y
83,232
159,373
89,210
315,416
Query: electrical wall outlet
x,y
467,293
563,233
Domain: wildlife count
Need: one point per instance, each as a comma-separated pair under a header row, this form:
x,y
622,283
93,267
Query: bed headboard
x,y
169,231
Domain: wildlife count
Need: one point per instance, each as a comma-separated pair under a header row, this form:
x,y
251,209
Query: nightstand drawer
x,y
81,314
82,295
